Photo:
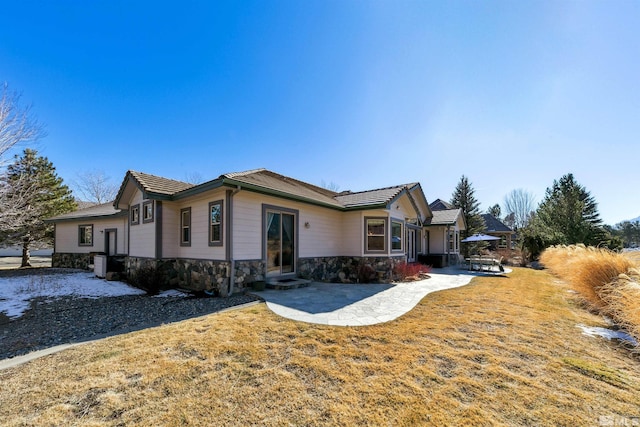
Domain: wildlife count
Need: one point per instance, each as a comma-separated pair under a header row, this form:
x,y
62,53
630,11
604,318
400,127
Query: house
x,y
79,235
495,227
252,226
443,234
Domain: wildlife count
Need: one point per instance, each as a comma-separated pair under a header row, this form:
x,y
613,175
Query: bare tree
x,y
16,123
331,186
194,178
94,186
519,207
13,202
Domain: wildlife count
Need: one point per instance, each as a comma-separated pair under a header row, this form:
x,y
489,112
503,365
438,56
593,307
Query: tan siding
x,y
352,234
143,236
322,238
324,235
170,230
247,225
67,235
200,248
437,237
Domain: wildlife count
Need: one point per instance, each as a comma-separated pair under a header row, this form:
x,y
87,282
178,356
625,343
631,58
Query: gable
x,y
151,186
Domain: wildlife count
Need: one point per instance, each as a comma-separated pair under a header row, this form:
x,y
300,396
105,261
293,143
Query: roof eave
x,y
122,213
192,191
282,194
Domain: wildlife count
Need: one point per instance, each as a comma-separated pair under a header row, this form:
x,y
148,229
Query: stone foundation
x,y
348,269
214,276
68,260
248,272
202,275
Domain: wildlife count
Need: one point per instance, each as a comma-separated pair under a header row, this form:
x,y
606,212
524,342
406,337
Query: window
x,y
396,236
185,227
135,214
147,211
376,236
85,235
215,223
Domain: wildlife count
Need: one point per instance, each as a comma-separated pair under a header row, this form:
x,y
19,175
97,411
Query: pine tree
x,y
495,211
463,198
569,214
34,192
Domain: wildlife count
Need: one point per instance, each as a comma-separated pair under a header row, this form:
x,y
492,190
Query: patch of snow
x,y
16,292
607,333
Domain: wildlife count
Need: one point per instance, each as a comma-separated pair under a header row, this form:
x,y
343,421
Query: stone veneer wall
x,y
248,272
202,275
214,276
348,269
69,260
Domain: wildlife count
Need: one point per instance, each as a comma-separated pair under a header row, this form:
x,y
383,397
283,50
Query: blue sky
x,y
364,94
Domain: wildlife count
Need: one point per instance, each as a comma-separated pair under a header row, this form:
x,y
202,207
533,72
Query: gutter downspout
x,y
229,230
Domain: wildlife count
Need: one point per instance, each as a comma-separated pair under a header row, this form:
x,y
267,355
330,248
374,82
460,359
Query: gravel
x,y
72,319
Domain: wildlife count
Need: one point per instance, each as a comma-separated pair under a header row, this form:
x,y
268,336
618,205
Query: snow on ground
x,y
16,292
607,333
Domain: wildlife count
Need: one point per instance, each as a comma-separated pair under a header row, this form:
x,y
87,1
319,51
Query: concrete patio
x,y
360,304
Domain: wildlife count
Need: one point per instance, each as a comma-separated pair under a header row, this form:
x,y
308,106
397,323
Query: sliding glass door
x,y
280,242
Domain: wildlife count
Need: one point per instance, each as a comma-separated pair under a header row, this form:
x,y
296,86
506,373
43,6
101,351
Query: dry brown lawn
x,y
500,351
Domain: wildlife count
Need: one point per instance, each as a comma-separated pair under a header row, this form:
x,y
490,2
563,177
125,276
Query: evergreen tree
x,y
463,198
495,211
569,214
33,187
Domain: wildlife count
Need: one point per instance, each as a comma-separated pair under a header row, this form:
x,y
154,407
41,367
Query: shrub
x,y
410,271
366,273
148,278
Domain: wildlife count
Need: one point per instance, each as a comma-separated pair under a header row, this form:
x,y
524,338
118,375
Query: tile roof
x,y
445,217
283,184
381,196
494,225
158,185
103,210
263,180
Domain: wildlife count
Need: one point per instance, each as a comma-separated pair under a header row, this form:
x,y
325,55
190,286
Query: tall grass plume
x,y
609,281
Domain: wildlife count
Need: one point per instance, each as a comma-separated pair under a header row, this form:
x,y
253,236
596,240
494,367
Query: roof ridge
x,y
348,192
242,173
159,177
323,191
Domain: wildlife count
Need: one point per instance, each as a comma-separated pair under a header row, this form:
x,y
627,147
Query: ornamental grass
x,y
609,281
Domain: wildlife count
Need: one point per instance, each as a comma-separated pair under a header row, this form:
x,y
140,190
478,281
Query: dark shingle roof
x,y
440,205
494,225
445,217
97,211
